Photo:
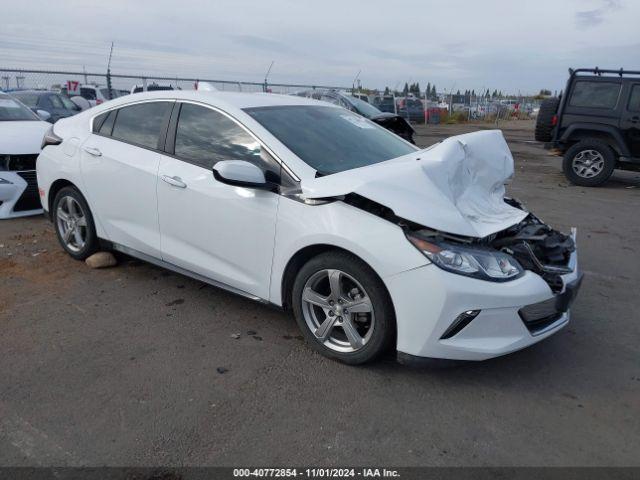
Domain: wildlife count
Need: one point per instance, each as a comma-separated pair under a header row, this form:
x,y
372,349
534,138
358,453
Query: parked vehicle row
x,y
370,241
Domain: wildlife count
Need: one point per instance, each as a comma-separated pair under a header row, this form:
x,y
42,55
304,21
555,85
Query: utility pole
x,y
266,75
355,80
109,72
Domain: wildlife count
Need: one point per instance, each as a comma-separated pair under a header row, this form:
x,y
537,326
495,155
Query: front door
x,y
222,232
630,122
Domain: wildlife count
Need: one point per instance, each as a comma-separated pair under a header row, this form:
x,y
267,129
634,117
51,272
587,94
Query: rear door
x,y
630,120
223,232
119,166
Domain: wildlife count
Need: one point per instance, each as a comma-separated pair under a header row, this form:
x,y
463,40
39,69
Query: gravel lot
x,y
122,366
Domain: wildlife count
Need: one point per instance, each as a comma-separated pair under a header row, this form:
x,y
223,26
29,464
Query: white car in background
x,y
305,205
21,133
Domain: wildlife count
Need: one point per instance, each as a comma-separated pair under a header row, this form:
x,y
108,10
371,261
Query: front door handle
x,y
635,119
93,151
175,181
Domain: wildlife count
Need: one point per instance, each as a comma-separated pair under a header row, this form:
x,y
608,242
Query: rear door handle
x,y
93,151
175,181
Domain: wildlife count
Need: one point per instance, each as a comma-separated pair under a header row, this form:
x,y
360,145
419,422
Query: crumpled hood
x,y
20,138
456,186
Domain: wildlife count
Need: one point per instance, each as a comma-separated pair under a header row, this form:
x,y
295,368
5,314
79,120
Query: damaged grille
x,y
538,248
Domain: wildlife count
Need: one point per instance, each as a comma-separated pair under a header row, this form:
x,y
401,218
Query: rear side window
x,y
140,124
634,99
205,137
107,126
595,94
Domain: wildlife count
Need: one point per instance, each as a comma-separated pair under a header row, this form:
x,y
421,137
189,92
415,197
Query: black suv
x,y
595,124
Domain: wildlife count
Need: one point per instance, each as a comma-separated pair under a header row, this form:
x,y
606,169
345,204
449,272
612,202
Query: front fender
x,y
378,242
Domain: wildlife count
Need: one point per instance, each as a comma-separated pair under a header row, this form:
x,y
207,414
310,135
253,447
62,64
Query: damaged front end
x,y
528,245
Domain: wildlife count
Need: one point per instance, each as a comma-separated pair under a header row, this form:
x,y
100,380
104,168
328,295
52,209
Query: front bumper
x,y
19,194
513,315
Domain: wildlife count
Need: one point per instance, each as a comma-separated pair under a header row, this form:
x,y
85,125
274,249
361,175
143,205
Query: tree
x,y
386,90
434,92
405,90
494,94
428,90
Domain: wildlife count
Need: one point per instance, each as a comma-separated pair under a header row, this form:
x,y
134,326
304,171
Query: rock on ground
x,y
101,260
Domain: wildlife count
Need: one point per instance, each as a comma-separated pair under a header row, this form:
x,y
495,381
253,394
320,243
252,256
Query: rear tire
x,y
544,127
589,163
350,317
74,224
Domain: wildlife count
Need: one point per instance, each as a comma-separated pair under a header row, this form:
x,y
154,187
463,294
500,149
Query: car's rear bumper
x,y
512,315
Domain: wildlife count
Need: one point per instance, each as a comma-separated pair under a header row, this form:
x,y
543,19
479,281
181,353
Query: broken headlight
x,y
483,263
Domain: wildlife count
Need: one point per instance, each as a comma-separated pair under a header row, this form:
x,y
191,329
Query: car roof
x,y
236,99
34,92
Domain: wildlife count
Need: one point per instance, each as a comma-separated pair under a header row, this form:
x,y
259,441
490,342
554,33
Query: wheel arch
x,y
55,187
605,133
302,256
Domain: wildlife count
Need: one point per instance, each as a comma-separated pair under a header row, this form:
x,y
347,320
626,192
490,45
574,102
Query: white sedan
x,y
370,241
21,133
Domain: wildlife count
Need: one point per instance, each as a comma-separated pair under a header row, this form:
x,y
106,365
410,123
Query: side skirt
x,y
169,266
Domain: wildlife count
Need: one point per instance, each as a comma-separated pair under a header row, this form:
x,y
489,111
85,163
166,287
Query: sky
x,y
515,46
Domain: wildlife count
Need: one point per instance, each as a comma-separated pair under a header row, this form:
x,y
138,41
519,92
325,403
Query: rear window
x,y
88,93
595,94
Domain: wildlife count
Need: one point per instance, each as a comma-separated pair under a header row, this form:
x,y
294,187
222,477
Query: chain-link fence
x,y
425,109
115,85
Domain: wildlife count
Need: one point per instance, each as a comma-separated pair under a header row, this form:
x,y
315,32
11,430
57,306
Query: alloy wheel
x,y
72,223
338,310
588,163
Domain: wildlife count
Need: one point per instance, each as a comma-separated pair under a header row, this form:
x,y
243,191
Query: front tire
x,y
74,224
589,163
343,308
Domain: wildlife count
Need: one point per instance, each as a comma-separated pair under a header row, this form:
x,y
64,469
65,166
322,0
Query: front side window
x,y
595,94
140,124
634,99
330,139
55,101
205,137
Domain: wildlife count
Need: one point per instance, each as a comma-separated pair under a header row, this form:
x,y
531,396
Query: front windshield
x,y
330,139
364,108
12,110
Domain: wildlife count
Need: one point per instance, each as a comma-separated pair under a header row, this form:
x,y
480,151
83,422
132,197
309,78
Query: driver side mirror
x,y
43,114
241,173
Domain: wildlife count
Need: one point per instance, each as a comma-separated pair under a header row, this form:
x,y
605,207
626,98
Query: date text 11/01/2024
x,y
316,472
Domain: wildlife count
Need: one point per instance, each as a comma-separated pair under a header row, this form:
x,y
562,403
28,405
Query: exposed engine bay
x,y
535,245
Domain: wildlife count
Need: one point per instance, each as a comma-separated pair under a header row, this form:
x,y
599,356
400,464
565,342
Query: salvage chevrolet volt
x,y
370,241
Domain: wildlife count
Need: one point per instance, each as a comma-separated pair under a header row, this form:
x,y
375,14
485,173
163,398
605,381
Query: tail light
x,y
554,120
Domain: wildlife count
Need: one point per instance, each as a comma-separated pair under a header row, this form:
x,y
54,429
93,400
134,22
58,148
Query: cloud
x,y
591,18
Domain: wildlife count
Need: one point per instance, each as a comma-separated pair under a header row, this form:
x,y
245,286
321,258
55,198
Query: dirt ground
x,y
123,366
